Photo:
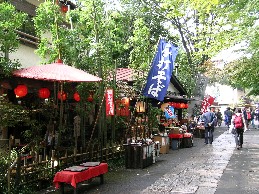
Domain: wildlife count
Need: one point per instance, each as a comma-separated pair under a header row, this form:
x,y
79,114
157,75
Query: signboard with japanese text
x,y
161,71
109,102
169,112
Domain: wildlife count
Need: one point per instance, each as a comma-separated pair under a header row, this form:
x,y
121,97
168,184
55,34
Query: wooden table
x,y
73,178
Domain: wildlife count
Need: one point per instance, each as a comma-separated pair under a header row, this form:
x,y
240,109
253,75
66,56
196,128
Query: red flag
x,y
207,102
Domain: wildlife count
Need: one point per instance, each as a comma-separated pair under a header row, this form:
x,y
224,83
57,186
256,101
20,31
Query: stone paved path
x,y
199,175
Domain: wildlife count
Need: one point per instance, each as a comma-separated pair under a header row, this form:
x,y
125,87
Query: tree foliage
x,y
203,30
10,21
243,73
128,36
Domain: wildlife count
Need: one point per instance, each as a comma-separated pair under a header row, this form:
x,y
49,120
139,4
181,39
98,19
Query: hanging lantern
x,y
44,93
64,96
64,8
90,98
140,106
182,105
173,104
186,105
177,105
21,90
125,101
77,96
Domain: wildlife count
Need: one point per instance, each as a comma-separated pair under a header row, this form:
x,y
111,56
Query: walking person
x,y
228,116
209,120
253,115
219,117
247,117
239,125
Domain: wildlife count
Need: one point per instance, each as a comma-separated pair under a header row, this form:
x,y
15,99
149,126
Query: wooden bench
x,y
73,178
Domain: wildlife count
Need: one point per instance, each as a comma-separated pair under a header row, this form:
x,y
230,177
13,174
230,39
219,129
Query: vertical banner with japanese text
x,y
206,103
109,102
161,71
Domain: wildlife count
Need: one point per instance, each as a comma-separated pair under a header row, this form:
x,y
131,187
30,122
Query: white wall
x,y
224,94
26,56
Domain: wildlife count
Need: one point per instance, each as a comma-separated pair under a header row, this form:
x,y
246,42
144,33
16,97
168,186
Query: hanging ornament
x,y
44,93
21,90
125,101
90,98
64,8
177,105
140,106
186,105
182,105
64,96
77,96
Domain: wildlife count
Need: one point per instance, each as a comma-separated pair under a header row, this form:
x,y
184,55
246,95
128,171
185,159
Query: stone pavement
x,y
203,169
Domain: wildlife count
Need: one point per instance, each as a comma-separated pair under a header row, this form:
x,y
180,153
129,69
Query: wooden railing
x,y
27,38
36,169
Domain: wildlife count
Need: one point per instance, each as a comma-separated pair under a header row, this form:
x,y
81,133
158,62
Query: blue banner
x,y
161,71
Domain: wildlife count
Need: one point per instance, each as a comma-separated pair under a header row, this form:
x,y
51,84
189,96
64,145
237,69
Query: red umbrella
x,y
56,72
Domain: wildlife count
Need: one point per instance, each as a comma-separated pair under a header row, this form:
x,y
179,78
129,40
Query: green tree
x,y
203,28
10,21
243,73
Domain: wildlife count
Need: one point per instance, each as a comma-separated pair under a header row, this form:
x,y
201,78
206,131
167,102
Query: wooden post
x,y
75,152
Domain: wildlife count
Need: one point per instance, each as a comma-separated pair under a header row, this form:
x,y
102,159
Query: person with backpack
x,y
247,116
239,124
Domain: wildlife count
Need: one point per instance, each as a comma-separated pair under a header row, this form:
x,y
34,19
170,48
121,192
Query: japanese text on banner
x,y
161,71
109,102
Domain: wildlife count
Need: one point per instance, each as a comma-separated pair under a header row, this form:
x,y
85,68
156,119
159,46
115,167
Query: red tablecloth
x,y
175,136
76,177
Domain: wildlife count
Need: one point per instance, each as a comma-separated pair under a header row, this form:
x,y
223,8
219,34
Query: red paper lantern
x,y
125,101
186,105
77,96
64,96
21,90
182,105
90,98
44,93
64,8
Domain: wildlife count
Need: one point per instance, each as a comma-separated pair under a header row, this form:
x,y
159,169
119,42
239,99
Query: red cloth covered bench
x,y
73,178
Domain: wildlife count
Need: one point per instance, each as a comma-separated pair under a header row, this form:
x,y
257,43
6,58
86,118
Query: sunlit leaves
x,y
10,21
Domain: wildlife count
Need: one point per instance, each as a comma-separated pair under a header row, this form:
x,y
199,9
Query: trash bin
x,y
175,144
176,140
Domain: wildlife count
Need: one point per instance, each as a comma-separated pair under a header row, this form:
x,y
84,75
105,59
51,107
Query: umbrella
x,y
56,72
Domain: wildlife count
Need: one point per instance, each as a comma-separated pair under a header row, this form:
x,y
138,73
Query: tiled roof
x,y
124,74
